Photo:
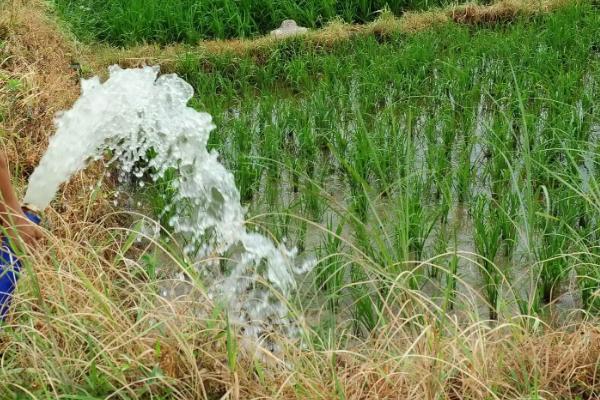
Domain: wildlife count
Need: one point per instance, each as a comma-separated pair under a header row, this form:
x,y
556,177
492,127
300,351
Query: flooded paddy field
x,y
457,162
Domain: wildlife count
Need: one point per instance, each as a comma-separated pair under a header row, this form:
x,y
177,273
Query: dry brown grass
x,y
502,11
94,311
37,55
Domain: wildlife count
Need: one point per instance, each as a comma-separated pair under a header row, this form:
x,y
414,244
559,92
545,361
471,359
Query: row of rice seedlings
x,y
413,220
414,196
572,212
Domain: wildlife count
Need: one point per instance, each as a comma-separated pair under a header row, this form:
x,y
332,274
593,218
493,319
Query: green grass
x,y
390,136
124,22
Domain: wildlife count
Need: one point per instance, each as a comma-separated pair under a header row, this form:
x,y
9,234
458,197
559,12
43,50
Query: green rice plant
x,y
554,265
557,237
389,141
356,170
415,220
312,202
464,174
439,143
279,223
487,236
500,153
451,277
508,221
439,247
248,168
366,303
330,271
446,200
272,189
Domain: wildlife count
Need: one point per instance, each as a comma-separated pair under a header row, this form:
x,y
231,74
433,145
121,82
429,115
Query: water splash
x,y
135,114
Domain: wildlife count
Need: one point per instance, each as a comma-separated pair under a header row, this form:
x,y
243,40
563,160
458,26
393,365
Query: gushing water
x,y
134,114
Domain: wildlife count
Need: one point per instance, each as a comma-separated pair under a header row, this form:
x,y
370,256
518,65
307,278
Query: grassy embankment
x,y
126,22
498,119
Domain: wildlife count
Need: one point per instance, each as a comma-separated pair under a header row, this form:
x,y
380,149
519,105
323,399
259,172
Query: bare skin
x,y
16,224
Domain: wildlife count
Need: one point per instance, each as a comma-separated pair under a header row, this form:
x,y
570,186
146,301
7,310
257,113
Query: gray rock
x,y
288,28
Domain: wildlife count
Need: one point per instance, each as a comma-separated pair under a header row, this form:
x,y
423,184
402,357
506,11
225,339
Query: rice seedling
x,y
508,221
366,304
487,237
451,278
417,219
556,238
330,273
464,174
312,203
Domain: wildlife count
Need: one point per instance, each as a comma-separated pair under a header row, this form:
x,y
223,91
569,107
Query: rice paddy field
x,y
438,161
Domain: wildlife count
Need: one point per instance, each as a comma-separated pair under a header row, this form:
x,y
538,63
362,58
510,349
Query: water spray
x,y
135,111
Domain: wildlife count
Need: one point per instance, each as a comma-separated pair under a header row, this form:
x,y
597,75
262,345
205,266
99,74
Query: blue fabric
x,y
10,267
